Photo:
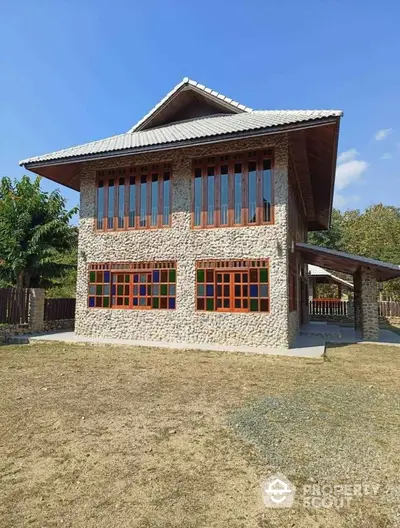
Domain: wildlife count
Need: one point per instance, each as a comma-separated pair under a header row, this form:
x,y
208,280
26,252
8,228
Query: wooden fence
x,y
56,309
337,307
14,306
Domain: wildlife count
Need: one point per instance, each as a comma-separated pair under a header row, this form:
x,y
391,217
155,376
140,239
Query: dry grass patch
x,y
97,436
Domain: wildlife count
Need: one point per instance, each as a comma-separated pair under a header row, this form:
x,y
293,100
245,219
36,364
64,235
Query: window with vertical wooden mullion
x,y
232,286
233,190
134,198
132,285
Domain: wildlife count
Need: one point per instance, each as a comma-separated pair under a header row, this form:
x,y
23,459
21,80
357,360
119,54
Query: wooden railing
x,y
337,307
56,309
328,307
14,306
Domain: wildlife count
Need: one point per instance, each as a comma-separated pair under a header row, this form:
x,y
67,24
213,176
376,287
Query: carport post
x,y
369,304
357,299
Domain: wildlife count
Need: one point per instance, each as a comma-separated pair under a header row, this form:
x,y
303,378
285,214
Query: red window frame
x,y
233,286
218,167
132,285
125,177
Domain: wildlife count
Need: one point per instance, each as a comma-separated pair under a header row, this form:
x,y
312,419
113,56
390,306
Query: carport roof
x,y
346,262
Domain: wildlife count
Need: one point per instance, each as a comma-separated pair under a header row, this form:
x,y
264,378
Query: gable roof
x,y
316,271
194,131
188,84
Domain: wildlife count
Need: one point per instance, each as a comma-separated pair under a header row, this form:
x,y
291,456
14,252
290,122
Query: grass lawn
x,y
122,437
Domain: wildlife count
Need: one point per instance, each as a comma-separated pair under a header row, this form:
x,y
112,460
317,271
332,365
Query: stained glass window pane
x,y
91,302
106,276
171,289
92,276
106,302
92,289
210,304
99,290
171,303
200,275
155,302
209,290
172,275
156,276
164,290
253,305
156,289
200,304
163,302
264,305
253,290
200,290
263,290
142,290
263,275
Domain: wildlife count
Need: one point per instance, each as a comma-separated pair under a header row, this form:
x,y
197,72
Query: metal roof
x,y
346,262
193,130
316,271
212,94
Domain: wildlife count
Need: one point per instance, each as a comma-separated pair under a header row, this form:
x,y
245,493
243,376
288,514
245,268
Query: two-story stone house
x,y
189,221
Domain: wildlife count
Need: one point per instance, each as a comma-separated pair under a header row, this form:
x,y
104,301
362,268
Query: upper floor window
x,y
134,198
234,190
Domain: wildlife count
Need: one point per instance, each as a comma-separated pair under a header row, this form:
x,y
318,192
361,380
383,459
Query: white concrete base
x,y
305,346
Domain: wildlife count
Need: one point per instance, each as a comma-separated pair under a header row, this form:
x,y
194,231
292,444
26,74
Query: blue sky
x,y
75,71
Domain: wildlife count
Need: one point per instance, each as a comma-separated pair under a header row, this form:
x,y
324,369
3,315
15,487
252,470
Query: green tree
x,y
332,237
35,234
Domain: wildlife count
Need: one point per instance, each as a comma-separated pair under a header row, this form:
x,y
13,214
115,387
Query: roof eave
x,y
186,143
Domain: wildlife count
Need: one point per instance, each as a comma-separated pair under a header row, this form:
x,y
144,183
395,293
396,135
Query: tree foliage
x,y
373,233
35,234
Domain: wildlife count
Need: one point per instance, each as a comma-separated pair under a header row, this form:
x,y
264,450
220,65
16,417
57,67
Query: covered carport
x,y
366,274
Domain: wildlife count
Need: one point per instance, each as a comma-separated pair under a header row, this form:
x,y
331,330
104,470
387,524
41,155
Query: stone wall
x,y
185,245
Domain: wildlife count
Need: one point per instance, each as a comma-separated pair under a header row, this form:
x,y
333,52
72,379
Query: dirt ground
x,y
123,437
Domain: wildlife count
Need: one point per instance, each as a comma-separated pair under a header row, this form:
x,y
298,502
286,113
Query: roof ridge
x,y
190,82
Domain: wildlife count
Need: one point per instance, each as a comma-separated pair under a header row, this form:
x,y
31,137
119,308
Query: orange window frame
x,y
223,170
124,177
233,286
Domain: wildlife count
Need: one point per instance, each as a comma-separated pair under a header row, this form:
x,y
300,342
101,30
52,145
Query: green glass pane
x,y
263,275
210,304
172,275
164,289
127,277
99,290
155,302
200,290
253,305
200,275
106,302
92,276
120,290
126,301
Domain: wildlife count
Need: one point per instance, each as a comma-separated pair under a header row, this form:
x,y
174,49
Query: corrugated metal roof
x,y
237,107
195,129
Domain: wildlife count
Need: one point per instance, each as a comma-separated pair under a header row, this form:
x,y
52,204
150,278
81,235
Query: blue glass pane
x,y
92,290
106,276
263,290
171,302
253,290
156,289
113,290
210,290
135,301
143,277
136,290
136,278
156,276
106,289
91,302
142,290
172,289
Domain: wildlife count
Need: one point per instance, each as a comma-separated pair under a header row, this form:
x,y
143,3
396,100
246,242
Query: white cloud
x,y
387,155
348,155
382,133
349,169
343,202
